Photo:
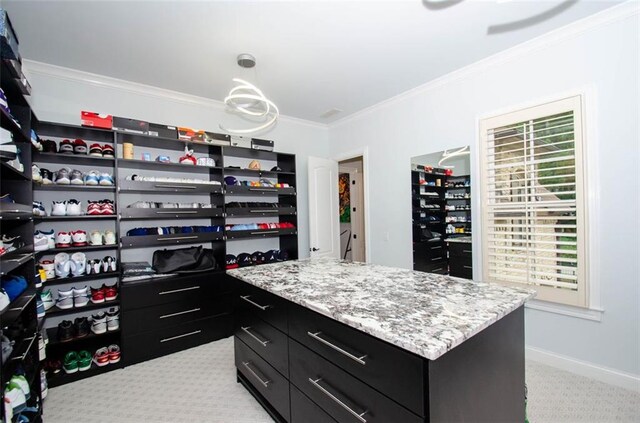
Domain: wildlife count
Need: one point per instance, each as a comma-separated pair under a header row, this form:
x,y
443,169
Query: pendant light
x,y
446,155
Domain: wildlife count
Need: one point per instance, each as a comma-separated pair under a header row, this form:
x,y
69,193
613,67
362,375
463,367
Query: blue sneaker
x,y
92,178
105,179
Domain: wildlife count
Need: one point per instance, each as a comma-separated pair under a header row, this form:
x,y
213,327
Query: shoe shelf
x,y
168,187
55,311
260,211
82,217
170,213
64,130
77,249
267,191
256,173
151,141
52,334
15,211
17,306
14,259
70,187
77,159
170,239
458,199
9,172
64,378
95,276
23,348
260,233
171,167
7,123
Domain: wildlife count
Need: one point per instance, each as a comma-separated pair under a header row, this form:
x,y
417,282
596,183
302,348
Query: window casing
x,y
533,208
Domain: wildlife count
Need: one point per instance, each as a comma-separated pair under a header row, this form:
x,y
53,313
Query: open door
x,y
324,235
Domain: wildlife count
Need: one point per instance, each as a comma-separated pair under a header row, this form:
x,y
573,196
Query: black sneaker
x,y
49,146
82,327
47,176
65,331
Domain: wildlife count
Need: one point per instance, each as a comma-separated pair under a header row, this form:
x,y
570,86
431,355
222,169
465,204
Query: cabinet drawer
x,y
268,307
303,410
152,344
163,315
429,250
341,395
204,286
396,373
264,378
458,249
264,339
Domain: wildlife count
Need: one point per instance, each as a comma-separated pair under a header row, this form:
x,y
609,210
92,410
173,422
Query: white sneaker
x,y
35,174
79,238
63,240
49,268
40,242
4,300
74,208
59,208
80,263
109,238
113,319
96,238
108,264
65,299
81,296
62,265
14,399
51,237
99,323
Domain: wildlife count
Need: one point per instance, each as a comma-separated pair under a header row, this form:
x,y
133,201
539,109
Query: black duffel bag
x,y
183,260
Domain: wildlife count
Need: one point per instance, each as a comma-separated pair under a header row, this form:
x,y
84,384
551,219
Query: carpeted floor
x,y
199,385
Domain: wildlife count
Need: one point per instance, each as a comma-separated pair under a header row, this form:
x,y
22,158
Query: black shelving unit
x,y
458,196
55,311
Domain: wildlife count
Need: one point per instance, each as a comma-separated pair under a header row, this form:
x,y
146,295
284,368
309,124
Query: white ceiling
x,y
312,56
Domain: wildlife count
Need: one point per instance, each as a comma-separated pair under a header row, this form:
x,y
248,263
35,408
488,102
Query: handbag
x,y
184,260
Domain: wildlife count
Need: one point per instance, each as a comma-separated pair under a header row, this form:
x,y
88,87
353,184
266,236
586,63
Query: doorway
x,y
352,209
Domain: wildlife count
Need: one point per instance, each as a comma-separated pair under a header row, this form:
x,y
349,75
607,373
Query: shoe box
x,y
188,134
238,141
130,125
96,120
163,131
217,139
8,38
258,144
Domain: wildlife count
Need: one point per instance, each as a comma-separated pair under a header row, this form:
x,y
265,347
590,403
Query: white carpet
x,y
199,385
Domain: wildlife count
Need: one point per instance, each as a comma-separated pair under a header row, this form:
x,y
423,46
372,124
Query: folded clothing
x,y
259,226
167,230
157,205
173,180
137,268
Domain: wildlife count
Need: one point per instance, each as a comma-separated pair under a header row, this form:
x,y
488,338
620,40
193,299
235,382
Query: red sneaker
x,y
114,353
101,357
94,208
98,295
110,292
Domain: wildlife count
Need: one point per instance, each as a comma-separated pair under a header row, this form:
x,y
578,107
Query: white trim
x,y
597,20
74,75
594,314
364,153
583,368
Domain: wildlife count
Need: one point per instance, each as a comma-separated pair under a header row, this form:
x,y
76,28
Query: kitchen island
x,y
327,340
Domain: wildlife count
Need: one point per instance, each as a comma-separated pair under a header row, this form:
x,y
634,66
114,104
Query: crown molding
x,y
33,67
606,17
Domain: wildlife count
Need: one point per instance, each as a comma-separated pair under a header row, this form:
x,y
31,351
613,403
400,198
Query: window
x,y
533,200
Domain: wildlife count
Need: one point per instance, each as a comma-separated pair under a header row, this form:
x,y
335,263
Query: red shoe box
x,y
96,120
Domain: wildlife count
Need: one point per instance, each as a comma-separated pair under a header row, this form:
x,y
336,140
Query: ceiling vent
x,y
331,112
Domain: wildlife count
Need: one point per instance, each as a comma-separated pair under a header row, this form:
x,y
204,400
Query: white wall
x,y
59,94
601,54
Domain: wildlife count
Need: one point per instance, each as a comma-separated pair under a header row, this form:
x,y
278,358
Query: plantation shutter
x,y
533,212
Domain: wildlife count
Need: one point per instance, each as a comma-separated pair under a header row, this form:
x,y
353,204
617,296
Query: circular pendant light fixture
x,y
249,101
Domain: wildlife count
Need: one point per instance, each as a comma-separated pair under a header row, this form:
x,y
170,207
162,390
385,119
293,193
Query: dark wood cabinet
x,y
460,260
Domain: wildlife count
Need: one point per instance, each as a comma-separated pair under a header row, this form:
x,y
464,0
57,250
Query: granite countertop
x,y
424,313
461,239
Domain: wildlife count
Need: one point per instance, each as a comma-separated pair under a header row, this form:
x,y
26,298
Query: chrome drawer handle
x,y
173,291
437,270
175,186
337,401
165,316
264,383
436,248
177,238
436,258
23,356
467,267
260,341
263,211
340,350
264,232
180,336
261,307
467,251
177,212
263,189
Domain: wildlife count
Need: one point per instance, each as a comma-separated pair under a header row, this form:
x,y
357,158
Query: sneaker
x,y
40,311
96,238
74,208
42,348
91,178
105,179
113,319
51,237
94,266
4,300
114,353
81,327
94,208
59,208
44,388
63,240
79,264
95,150
70,364
76,177
62,265
107,207
79,238
49,268
53,367
47,299
109,237
81,296
40,242
35,174
66,147
65,331
65,299
84,360
79,146
107,151
47,177
110,291
14,399
101,357
21,381
49,146
62,176
108,264
97,295
99,323
38,209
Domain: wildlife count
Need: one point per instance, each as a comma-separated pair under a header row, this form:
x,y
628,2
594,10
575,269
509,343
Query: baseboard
x,y
583,368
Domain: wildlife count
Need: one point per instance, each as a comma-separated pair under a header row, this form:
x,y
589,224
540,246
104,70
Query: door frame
x,y
352,154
